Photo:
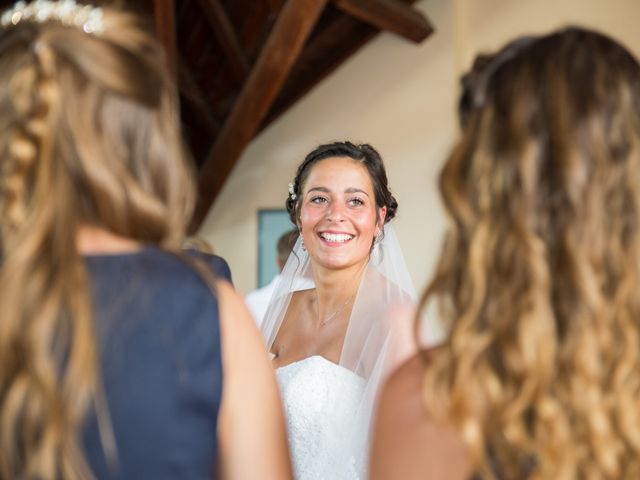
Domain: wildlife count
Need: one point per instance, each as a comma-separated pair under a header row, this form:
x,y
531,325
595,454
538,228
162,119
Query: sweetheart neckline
x,y
326,360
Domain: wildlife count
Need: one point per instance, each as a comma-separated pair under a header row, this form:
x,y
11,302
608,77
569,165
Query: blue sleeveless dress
x,y
157,327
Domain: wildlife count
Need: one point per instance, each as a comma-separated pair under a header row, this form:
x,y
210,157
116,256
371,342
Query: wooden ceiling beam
x,y
285,42
390,15
321,56
192,92
165,20
226,35
274,5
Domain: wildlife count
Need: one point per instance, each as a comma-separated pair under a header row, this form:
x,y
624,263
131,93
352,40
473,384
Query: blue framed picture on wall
x,y
272,223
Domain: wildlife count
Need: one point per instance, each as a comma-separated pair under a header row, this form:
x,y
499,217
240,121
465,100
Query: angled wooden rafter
x,y
275,4
321,55
390,15
192,92
285,42
226,35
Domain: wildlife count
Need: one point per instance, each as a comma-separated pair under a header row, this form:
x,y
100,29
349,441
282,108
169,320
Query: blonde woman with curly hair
x,y
538,279
119,357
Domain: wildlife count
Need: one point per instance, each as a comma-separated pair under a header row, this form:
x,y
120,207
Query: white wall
x,y
400,97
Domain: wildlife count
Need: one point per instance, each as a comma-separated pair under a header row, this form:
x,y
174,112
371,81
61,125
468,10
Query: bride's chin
x,y
339,263
331,263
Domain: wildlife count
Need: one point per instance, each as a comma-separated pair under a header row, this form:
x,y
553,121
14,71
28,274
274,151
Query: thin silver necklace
x,y
333,315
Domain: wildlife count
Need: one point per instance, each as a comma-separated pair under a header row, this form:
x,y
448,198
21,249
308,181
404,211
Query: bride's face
x,y
338,216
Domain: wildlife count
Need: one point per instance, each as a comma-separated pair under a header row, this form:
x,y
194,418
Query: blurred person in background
x,y
258,300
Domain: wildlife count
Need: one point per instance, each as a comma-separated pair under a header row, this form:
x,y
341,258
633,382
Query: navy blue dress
x,y
157,325
218,264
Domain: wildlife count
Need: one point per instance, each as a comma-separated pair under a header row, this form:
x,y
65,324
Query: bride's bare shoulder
x,y
408,442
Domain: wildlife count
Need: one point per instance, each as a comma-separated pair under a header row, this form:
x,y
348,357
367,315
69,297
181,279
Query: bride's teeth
x,y
336,237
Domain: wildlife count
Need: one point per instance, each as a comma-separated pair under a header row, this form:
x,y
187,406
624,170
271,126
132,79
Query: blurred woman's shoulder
x,y
409,443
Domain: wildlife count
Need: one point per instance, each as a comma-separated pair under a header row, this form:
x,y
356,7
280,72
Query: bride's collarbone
x,y
302,335
302,324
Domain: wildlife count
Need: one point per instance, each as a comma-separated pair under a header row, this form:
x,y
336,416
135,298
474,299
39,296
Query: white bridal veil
x,y
376,340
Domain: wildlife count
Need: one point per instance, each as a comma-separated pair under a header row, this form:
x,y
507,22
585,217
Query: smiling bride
x,y
329,326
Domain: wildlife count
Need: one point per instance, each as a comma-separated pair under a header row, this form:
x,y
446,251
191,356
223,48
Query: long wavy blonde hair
x,y
539,277
89,135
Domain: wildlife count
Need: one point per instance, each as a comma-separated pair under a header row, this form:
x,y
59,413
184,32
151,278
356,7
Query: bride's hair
x,y
539,276
365,154
89,135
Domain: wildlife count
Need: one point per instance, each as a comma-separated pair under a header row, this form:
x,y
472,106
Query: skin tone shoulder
x,y
251,424
408,442
338,220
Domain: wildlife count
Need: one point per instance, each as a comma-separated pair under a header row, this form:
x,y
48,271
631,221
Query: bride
x,y
329,326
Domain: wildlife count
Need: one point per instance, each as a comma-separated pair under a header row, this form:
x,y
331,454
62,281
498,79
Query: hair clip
x,y
67,12
292,192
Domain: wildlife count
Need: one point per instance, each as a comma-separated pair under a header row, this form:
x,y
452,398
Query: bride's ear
x,y
382,214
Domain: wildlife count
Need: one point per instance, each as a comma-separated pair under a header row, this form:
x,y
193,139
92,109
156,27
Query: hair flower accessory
x,y
292,192
67,12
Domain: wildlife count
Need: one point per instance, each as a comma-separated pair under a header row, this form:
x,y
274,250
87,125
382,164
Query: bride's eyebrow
x,y
355,190
318,189
347,190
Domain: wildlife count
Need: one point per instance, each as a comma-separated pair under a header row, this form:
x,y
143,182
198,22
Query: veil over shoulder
x,y
329,406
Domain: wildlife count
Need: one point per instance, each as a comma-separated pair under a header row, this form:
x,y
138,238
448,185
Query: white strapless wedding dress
x,y
321,401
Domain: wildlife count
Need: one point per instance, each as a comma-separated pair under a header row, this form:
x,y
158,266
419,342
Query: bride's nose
x,y
335,212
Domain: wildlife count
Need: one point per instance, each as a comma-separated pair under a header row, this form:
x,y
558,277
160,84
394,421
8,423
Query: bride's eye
x,y
355,202
319,200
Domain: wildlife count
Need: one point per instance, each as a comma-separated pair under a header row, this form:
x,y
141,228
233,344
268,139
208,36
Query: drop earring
x,y
302,242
